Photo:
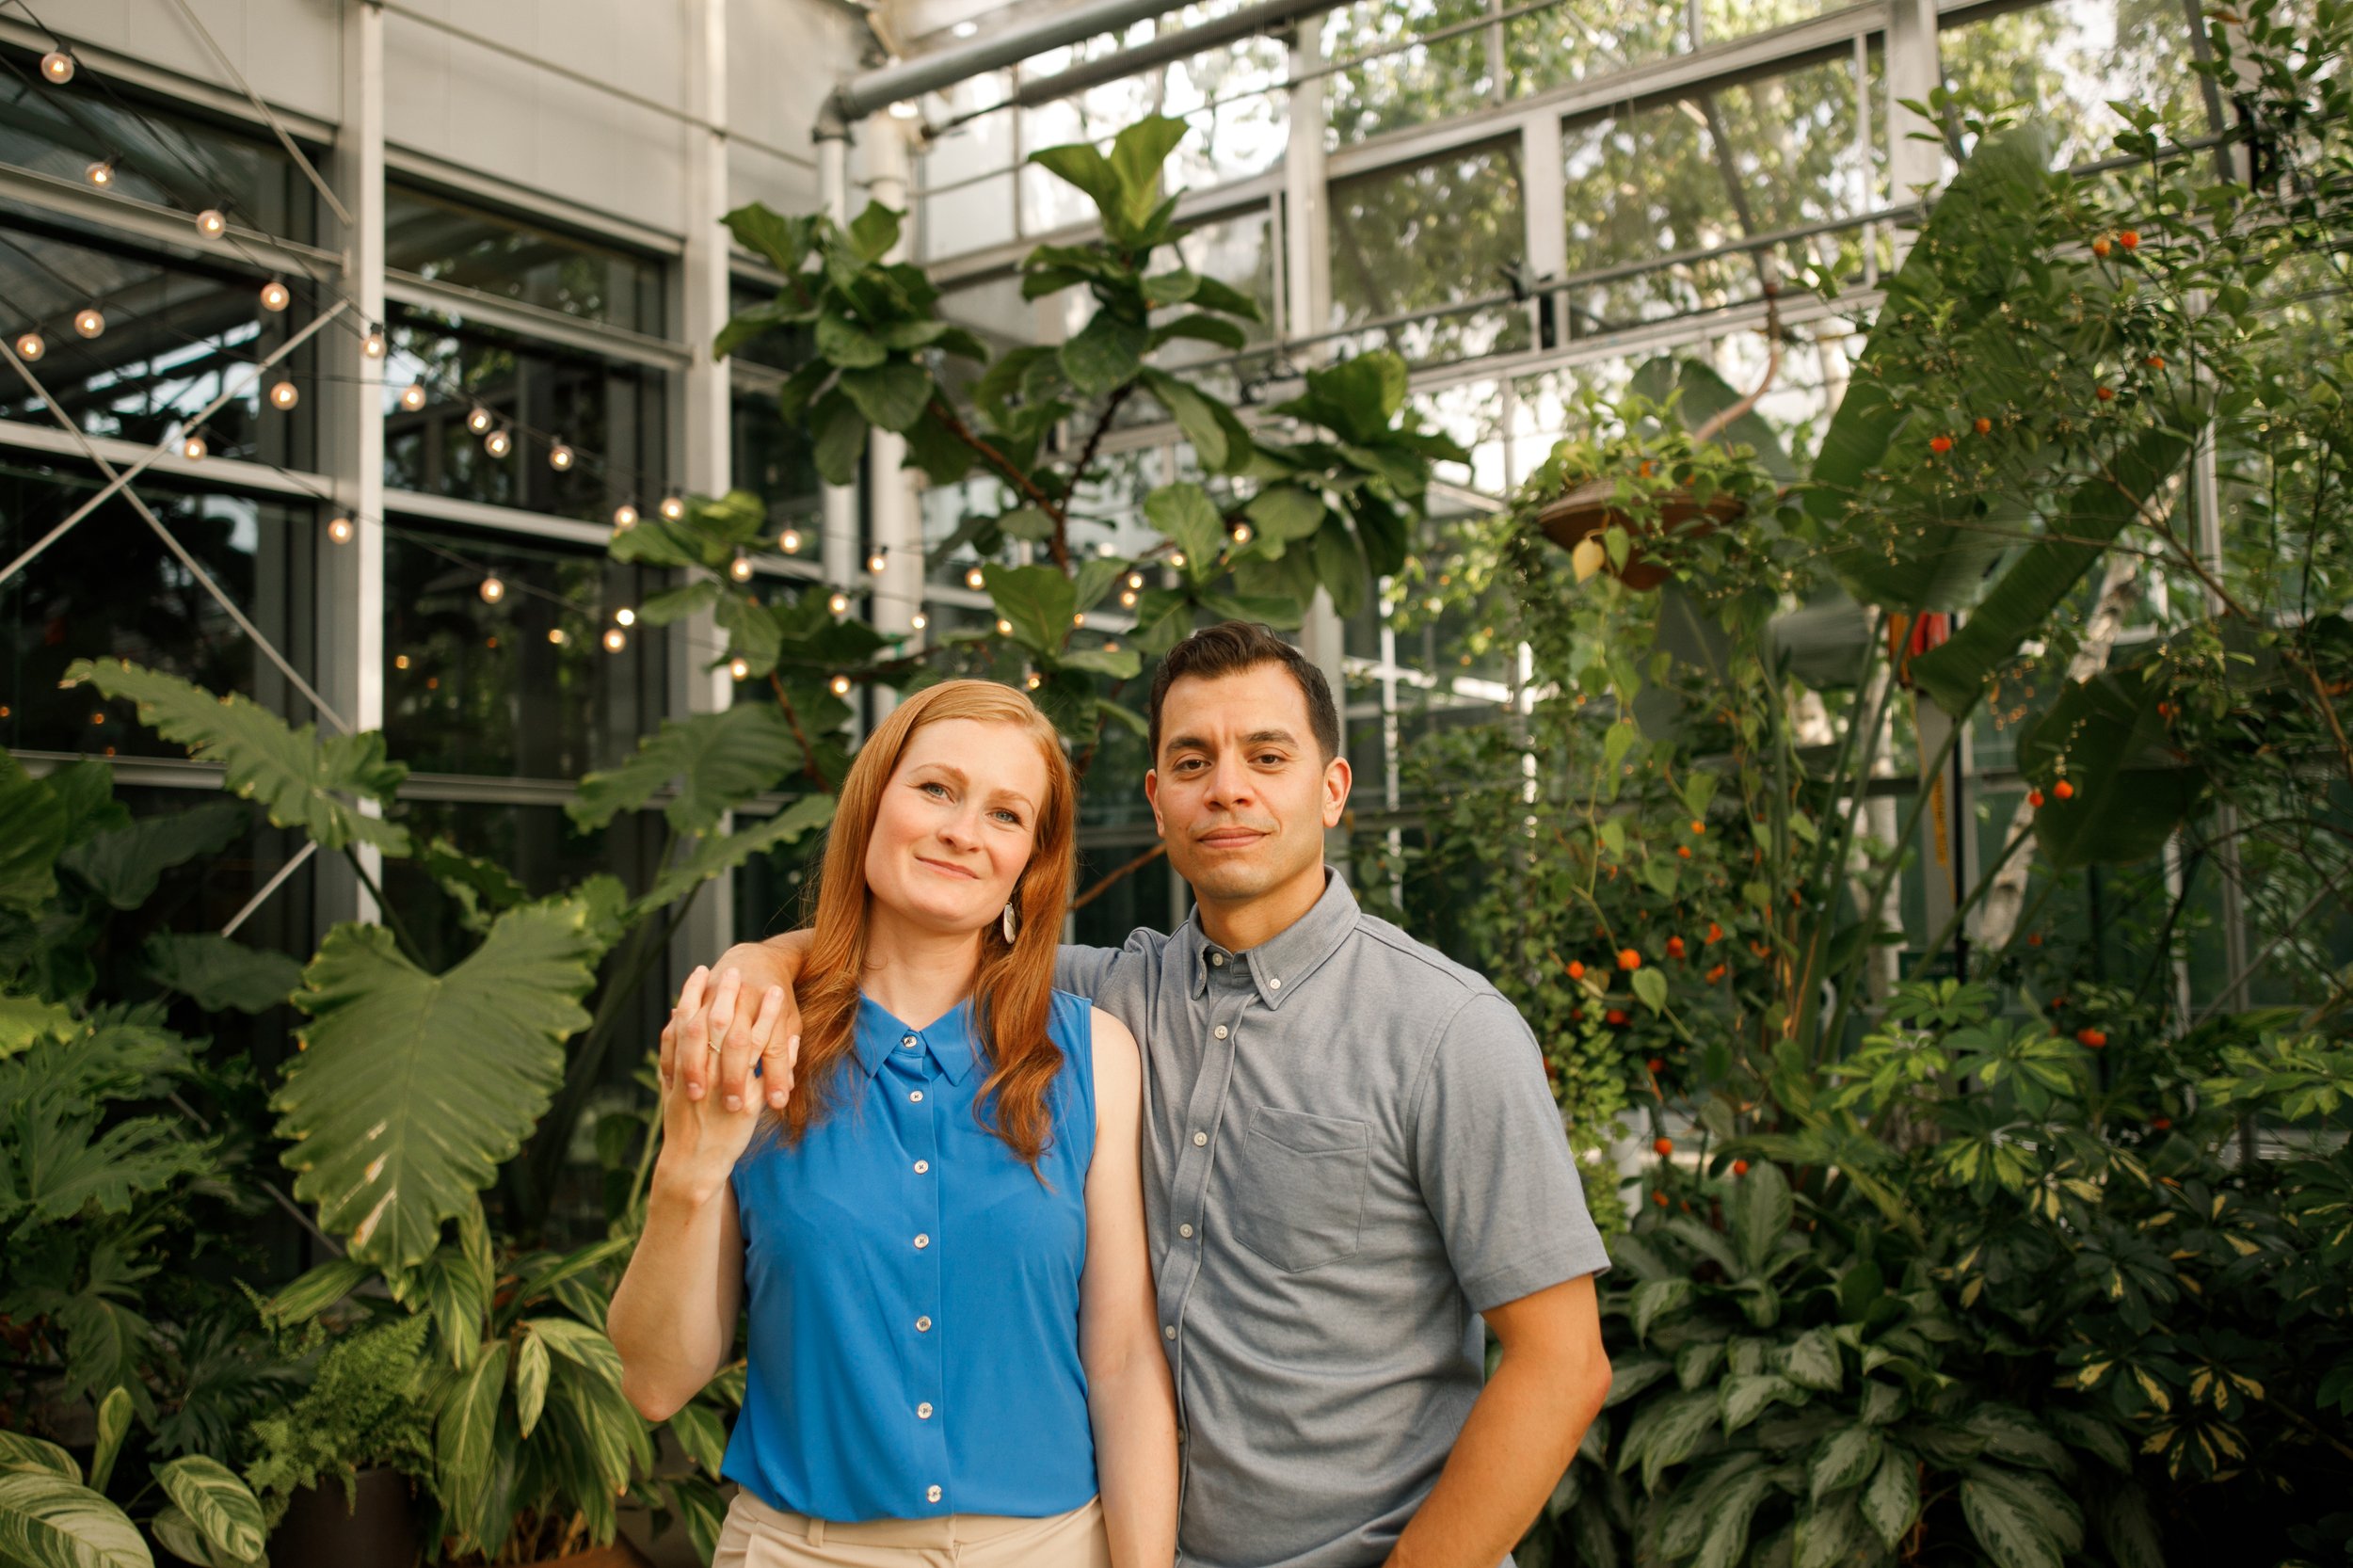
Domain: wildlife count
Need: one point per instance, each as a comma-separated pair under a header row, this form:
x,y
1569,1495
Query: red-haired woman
x,y
937,1216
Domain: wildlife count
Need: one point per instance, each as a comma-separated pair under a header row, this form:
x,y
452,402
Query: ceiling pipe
x,y
873,90
1267,17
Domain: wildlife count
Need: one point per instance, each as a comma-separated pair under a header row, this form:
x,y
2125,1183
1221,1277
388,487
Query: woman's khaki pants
x,y
758,1536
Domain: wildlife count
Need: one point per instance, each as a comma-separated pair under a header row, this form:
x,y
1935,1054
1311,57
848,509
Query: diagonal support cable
x,y
294,864
118,480
263,110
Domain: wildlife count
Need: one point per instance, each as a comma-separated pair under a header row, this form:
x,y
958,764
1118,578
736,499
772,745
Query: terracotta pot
x,y
1581,514
378,1530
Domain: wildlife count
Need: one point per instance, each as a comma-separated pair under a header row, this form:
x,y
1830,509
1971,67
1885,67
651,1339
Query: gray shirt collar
x,y
1280,964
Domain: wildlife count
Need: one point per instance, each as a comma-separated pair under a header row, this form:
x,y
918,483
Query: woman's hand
x,y
716,1009
703,1135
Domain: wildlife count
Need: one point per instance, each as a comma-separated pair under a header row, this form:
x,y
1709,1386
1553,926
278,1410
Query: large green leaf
x,y
413,1088
1891,1501
25,1020
784,241
1706,395
698,1432
1105,355
49,1522
301,780
2010,1528
216,972
2129,792
1911,539
1357,398
718,853
719,760
2021,603
891,396
1137,153
531,1379
1666,1432
1847,1459
32,831
466,1435
1190,519
1217,435
838,432
123,864
1762,1210
19,1451
218,1503
114,1424
1037,601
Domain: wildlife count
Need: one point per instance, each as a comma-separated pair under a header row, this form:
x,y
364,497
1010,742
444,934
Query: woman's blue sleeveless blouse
x,y
914,1291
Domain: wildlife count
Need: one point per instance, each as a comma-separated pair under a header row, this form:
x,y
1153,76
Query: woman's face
x,y
956,824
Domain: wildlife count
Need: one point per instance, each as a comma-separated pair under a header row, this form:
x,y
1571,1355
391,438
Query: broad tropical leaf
x,y
49,1522
217,973
25,1020
1037,601
20,1451
718,760
466,1434
123,864
2106,738
301,780
716,854
412,1088
114,1425
531,1379
218,1503
32,831
1761,1213
2021,603
1891,1502
2011,1533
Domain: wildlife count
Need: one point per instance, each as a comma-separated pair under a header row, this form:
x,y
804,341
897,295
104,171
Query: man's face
x,y
1239,791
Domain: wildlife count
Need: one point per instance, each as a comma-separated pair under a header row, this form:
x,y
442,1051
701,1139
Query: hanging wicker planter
x,y
1586,511
1589,508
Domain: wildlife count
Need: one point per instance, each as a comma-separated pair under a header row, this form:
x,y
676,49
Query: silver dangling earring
x,y
1007,923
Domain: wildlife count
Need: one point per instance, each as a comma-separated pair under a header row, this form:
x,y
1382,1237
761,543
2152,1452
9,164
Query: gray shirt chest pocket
x,y
1299,1188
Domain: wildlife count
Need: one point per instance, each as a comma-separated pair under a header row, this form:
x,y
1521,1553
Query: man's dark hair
x,y
1232,647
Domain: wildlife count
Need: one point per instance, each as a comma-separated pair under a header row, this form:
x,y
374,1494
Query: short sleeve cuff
x,y
1574,1258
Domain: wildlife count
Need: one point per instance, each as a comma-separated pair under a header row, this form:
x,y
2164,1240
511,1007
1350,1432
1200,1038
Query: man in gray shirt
x,y
1352,1157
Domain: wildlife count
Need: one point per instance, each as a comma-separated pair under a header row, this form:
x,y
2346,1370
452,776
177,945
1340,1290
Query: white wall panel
x,y
783,58
291,51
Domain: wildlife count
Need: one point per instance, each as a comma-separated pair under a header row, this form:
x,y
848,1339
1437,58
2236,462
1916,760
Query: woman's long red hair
x,y
1013,985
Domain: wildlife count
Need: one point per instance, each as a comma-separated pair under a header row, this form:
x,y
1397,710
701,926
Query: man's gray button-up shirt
x,y
1351,1150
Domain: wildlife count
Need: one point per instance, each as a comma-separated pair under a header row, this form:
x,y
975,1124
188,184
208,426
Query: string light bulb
x,y
615,639
373,344
625,616
1079,619
624,518
101,173
498,443
1128,598
974,580
192,447
412,396
492,590
1241,533
30,347
211,224
340,530
89,321
284,396
790,540
840,685
739,667
1176,558
1033,683
58,67
740,568
555,635
672,508
559,456
919,620
839,604
275,296
1004,628
1135,580
479,419
878,562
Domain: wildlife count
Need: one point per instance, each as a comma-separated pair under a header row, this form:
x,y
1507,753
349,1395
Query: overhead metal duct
x,y
865,94
872,90
1267,17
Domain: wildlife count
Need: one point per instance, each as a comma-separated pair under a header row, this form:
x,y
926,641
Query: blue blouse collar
x,y
949,1039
